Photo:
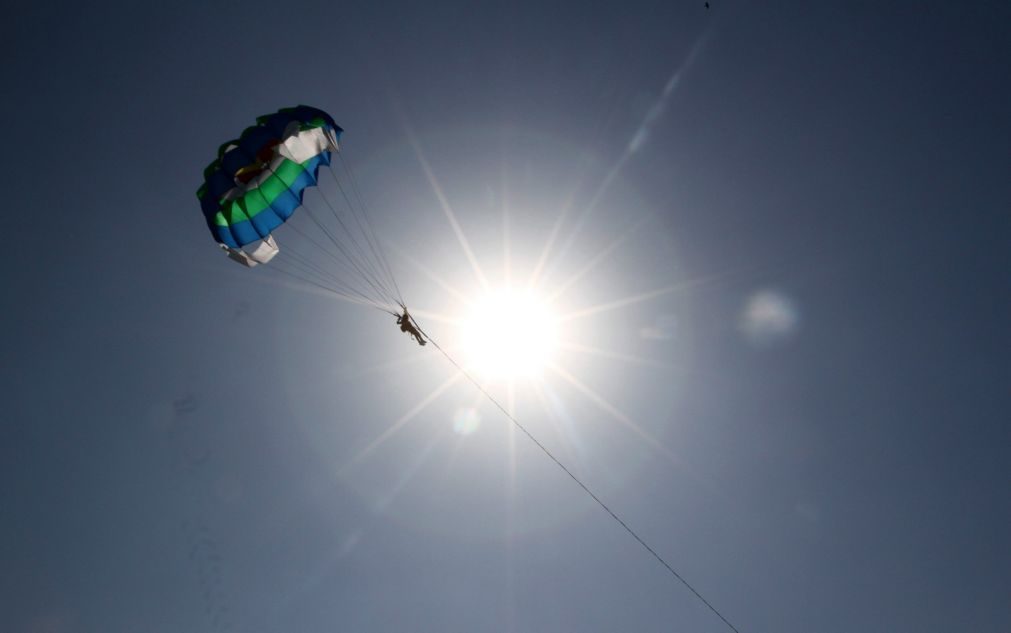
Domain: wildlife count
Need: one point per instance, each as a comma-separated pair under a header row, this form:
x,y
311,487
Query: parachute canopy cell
x,y
258,180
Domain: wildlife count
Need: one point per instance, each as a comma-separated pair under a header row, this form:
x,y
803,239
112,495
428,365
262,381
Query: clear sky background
x,y
804,409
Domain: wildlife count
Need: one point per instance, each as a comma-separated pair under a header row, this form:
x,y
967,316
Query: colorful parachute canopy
x,y
259,179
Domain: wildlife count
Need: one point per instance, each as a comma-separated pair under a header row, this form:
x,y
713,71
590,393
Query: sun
x,y
509,334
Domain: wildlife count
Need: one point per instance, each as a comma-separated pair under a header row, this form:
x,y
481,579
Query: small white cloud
x,y
768,317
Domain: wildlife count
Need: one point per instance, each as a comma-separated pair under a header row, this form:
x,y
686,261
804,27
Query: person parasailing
x,y
406,325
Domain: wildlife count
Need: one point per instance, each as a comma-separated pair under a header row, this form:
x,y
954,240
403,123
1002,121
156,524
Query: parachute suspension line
x,y
373,275
367,302
356,213
379,292
311,277
361,219
572,476
357,247
343,264
314,273
365,214
310,268
382,296
333,283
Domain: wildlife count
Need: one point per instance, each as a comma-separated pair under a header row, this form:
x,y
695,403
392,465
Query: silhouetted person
x,y
404,321
707,5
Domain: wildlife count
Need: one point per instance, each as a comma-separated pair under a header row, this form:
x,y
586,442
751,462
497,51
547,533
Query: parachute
x,y
257,185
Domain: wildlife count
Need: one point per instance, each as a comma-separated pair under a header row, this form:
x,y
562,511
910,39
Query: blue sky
x,y
807,416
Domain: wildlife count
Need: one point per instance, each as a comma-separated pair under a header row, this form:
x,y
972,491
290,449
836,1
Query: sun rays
x,y
514,310
448,211
403,420
507,301
539,302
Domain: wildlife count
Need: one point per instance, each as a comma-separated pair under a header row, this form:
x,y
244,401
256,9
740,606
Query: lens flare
x,y
466,420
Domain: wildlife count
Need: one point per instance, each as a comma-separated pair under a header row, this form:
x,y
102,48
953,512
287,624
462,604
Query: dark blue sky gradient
x,y
179,435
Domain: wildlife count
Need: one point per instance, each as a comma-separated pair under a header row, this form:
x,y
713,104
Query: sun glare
x,y
508,334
